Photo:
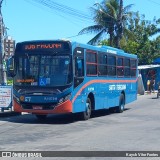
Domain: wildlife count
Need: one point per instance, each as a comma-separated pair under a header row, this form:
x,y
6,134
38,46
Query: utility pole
x,y
2,54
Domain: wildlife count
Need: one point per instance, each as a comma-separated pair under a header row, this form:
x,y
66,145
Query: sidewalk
x,y
7,113
155,92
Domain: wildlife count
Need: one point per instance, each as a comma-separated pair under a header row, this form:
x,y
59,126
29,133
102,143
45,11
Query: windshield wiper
x,y
39,92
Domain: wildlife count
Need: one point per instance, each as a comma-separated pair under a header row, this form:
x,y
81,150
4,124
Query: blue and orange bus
x,y
59,76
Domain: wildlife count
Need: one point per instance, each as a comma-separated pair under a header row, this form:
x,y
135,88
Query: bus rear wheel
x,y
87,113
120,108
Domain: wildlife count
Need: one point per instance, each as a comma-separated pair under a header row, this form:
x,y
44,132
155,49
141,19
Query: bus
x,y
60,77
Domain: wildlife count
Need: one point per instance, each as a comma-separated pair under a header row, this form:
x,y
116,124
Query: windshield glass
x,y
43,70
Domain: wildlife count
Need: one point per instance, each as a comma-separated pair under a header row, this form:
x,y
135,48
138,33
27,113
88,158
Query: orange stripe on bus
x,y
101,81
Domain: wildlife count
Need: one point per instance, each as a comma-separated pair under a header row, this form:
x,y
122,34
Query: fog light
x,y
21,98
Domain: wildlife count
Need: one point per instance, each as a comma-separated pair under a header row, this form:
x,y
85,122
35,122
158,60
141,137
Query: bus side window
x,y
79,70
133,68
120,67
111,65
127,71
78,66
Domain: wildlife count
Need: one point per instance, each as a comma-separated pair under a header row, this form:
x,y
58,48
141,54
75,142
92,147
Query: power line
x,y
76,35
55,12
154,2
63,10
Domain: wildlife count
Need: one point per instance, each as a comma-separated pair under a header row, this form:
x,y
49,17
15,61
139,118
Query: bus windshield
x,y
43,70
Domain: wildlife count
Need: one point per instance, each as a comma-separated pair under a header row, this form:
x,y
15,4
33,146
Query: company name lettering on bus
x,y
27,99
111,51
117,87
43,46
91,89
25,80
50,98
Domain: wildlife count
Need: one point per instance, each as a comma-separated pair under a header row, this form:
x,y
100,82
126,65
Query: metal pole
x,y
2,55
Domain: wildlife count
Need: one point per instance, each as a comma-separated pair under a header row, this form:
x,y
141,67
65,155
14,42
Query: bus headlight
x,y
67,97
61,100
64,98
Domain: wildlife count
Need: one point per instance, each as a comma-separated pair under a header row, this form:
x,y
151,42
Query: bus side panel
x,y
112,98
79,99
98,93
100,97
79,104
131,92
105,97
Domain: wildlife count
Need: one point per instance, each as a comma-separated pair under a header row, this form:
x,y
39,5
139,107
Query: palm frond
x,y
96,38
128,8
156,31
111,11
158,21
128,34
91,29
101,13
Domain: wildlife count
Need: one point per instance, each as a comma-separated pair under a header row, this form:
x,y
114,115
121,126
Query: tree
x,y
111,19
119,24
145,45
144,30
141,41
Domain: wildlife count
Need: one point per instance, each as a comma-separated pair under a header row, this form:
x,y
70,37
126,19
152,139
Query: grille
x,y
44,106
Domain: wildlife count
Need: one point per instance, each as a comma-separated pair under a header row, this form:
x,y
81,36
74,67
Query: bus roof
x,y
107,49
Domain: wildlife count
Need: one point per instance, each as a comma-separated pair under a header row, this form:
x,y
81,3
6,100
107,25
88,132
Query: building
x,y
9,46
149,72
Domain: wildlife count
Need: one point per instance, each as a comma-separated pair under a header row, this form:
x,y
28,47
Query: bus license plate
x,y
38,107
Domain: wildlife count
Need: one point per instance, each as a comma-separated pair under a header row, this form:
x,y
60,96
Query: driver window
x,y
79,69
78,66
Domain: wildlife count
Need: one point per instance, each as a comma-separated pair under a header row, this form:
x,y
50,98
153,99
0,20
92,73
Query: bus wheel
x,y
87,113
112,110
120,108
41,117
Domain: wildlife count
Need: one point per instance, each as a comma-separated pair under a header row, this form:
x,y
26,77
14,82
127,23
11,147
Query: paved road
x,y
136,129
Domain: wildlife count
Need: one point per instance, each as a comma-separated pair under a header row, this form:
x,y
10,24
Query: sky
x,y
26,20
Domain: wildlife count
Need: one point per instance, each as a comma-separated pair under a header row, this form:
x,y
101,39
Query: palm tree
x,y
110,17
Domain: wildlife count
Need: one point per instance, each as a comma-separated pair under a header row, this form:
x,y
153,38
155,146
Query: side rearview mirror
x,y
10,67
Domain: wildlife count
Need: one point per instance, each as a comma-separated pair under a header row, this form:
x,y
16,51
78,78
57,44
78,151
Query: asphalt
x,y
10,112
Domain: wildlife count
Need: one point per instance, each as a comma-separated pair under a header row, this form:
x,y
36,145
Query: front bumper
x,y
65,107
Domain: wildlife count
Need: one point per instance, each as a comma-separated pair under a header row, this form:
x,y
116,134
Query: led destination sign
x,y
42,46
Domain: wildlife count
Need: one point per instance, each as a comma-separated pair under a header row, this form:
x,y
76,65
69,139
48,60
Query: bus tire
x,y
87,113
41,117
120,108
112,110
